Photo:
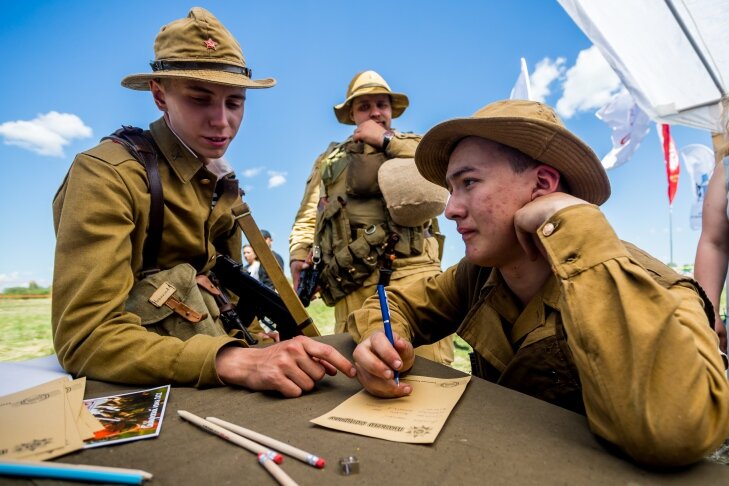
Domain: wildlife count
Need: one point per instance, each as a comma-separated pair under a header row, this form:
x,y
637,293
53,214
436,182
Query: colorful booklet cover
x,y
128,416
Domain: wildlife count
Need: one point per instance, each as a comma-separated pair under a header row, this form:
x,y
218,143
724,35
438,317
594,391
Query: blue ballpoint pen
x,y
385,308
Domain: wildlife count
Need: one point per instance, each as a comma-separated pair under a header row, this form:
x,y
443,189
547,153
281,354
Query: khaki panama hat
x,y
198,47
528,126
366,83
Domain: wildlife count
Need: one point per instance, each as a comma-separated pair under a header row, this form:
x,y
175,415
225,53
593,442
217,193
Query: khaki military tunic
x,y
627,335
405,269
101,213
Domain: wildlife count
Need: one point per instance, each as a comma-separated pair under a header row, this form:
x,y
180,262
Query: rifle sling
x,y
144,150
249,227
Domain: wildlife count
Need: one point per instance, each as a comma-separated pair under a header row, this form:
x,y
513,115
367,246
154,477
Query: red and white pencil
x,y
277,445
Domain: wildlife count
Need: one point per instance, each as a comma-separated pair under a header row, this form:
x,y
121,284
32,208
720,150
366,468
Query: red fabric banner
x,y
670,155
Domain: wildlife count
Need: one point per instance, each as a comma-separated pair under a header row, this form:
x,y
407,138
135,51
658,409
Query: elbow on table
x,y
71,353
67,358
678,442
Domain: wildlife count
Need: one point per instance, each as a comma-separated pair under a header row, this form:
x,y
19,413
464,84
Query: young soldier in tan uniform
x,y
101,216
553,303
342,192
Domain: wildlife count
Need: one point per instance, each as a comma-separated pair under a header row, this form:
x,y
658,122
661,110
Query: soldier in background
x,y
343,191
262,274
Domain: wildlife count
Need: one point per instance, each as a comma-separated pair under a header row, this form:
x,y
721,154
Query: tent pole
x,y
680,22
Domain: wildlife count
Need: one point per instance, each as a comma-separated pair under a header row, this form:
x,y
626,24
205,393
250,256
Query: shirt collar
x,y
522,320
184,163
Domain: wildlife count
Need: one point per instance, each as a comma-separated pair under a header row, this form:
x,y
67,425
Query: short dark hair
x,y
520,162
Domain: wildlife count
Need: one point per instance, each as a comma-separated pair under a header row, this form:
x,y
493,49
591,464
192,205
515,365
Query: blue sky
x,y
63,62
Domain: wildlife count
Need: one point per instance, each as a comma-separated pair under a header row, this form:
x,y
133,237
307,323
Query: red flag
x,y
670,155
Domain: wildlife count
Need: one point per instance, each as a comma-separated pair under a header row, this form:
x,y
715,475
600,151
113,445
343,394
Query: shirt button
x,y
204,182
548,229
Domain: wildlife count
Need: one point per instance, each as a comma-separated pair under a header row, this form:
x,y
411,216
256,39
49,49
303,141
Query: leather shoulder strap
x,y
143,148
247,224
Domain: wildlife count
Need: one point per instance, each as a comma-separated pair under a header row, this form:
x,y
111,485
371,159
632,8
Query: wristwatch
x,y
386,139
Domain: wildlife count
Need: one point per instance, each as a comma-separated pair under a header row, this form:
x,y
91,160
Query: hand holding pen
x,y
380,357
385,308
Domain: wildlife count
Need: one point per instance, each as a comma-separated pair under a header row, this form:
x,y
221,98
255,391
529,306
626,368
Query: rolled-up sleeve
x,y
403,145
301,238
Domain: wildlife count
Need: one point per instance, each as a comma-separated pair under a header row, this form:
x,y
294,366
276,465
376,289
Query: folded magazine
x,y
128,416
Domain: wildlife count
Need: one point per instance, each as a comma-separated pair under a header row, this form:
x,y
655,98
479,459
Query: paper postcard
x,y
416,418
38,423
128,416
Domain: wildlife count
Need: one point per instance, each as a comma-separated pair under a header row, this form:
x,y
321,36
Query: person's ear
x,y
546,180
158,93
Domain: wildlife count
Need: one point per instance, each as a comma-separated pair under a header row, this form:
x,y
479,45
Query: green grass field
x,y
25,327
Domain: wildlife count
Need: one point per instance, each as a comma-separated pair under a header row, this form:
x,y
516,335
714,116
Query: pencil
x,y
275,471
385,309
277,445
230,436
72,472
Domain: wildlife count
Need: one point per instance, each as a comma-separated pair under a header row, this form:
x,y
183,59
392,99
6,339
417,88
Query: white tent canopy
x,y
672,55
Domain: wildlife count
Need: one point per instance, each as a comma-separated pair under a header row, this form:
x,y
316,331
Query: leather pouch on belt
x,y
170,303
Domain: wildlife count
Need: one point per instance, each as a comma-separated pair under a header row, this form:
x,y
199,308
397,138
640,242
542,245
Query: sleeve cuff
x,y
365,322
578,238
196,362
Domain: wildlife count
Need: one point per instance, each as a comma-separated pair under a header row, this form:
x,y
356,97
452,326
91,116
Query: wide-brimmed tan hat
x,y
528,126
198,47
367,83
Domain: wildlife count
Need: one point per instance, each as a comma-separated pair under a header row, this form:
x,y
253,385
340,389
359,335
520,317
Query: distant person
x,y
712,253
554,305
262,274
115,318
252,265
346,176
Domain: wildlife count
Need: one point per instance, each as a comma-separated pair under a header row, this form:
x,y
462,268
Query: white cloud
x,y
252,172
46,134
545,72
276,179
589,84
6,278
20,279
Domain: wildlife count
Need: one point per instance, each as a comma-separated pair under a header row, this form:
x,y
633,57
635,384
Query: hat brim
x,y
399,103
140,82
562,150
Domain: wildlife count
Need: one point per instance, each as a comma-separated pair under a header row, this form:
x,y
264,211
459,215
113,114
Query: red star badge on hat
x,y
210,43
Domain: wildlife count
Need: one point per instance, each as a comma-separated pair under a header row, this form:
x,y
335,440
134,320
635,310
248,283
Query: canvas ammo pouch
x,y
347,262
171,303
353,223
